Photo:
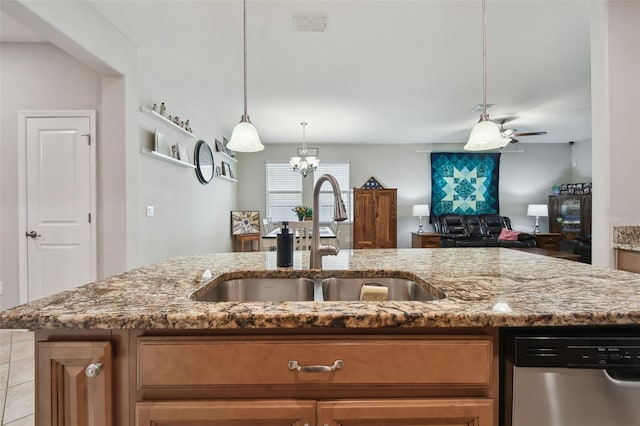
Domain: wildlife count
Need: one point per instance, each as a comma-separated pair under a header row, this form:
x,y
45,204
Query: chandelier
x,y
307,159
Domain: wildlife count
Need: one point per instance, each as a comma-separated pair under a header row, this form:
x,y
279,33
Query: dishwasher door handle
x,y
624,376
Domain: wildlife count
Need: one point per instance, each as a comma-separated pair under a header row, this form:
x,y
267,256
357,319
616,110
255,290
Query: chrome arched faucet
x,y
339,214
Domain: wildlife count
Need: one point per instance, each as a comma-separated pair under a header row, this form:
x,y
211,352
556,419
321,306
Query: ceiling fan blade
x,y
529,133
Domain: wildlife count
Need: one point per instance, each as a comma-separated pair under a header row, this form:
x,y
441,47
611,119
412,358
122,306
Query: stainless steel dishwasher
x,y
587,379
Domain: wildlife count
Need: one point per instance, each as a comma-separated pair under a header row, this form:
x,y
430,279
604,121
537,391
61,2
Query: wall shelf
x,y
168,159
167,122
227,156
227,178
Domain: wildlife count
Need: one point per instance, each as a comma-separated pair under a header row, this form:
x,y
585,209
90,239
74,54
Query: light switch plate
x,y
149,211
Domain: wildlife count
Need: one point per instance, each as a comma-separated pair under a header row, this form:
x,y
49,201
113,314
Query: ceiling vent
x,y
310,23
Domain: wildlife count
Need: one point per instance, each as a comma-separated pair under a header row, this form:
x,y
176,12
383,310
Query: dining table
x,y
327,236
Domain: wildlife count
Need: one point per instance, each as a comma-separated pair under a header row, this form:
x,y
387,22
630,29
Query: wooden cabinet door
x,y
364,219
226,413
386,219
585,215
375,220
65,394
415,412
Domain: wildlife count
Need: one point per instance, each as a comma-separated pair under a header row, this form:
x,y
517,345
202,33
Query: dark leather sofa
x,y
582,246
477,231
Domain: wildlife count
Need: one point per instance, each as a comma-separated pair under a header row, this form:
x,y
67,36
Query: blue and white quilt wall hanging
x,y
464,183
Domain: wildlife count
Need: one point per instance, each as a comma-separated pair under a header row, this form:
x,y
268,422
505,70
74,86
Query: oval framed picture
x,y
203,157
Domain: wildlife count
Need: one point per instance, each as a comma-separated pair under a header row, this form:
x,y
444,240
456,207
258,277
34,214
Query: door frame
x,y
23,116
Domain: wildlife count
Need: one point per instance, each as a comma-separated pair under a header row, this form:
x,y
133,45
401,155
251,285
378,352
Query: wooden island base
x,y
185,377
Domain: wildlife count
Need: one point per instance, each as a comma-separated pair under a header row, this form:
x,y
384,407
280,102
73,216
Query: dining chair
x,y
267,226
302,234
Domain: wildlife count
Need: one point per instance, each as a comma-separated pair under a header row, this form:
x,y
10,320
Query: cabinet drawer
x,y
628,260
183,362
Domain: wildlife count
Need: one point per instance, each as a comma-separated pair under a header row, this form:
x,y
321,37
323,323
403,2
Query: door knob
x,y
93,369
33,234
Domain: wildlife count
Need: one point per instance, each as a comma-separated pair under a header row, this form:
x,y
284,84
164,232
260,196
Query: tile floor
x,y
17,367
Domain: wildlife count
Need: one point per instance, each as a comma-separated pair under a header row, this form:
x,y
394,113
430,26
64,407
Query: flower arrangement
x,y
302,212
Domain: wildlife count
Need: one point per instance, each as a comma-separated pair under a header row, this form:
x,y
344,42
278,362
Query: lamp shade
x,y
537,210
485,136
244,138
421,210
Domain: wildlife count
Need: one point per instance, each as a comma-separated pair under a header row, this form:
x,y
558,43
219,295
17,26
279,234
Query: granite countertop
x,y
626,238
491,287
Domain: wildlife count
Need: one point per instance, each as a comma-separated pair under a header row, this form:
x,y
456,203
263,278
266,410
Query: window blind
x,y
284,191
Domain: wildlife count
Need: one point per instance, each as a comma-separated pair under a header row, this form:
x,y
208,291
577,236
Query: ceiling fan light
x,y
244,137
485,136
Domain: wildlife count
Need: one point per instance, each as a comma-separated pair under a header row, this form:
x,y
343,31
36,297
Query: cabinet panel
x,y
628,260
178,363
65,395
375,218
226,413
364,219
570,215
415,412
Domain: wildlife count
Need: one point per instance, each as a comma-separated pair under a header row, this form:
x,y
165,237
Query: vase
x,y
300,217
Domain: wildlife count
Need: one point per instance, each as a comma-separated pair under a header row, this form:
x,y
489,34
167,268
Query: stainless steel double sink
x,y
308,289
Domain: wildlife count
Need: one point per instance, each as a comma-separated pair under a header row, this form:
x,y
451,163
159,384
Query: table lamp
x,y
537,210
420,210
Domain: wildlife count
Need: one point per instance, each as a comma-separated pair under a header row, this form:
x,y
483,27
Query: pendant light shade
x,y
485,135
244,137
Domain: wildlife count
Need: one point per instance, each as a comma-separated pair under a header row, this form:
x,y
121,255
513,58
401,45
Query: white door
x,y
60,189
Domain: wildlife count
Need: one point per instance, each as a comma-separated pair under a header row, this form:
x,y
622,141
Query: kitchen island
x,y
167,358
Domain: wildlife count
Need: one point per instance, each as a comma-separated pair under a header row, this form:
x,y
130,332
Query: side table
x,y
425,240
240,241
548,241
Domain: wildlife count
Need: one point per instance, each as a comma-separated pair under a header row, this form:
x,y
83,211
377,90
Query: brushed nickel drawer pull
x,y
338,364
93,369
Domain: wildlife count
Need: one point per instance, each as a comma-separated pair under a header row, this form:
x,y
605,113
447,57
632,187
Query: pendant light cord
x,y
484,61
244,45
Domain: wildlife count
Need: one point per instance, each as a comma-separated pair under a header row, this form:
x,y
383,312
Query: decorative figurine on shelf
x,y
176,120
182,124
186,126
154,108
174,151
163,110
170,119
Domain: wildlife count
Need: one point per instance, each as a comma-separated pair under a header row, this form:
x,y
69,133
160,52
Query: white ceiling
x,y
401,71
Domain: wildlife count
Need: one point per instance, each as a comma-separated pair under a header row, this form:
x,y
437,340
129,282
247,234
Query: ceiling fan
x,y
511,134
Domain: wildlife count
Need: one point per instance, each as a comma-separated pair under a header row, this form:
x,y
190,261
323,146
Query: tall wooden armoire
x,y
375,218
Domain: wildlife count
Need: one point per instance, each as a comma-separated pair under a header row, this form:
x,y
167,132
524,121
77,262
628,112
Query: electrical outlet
x,y
149,211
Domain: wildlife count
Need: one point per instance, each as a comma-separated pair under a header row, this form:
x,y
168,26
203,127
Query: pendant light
x,y
245,137
307,159
485,135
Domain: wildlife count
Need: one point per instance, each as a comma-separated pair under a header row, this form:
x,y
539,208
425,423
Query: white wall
x,y
66,84
189,217
615,82
524,177
581,162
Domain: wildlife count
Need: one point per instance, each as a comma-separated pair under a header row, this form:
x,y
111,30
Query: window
x,y
284,191
341,172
